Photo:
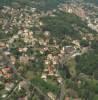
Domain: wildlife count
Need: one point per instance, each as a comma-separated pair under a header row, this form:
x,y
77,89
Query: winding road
x,y
8,62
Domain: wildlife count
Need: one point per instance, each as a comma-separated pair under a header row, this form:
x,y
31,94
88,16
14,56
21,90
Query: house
x,y
46,33
4,95
56,75
23,98
1,73
44,76
46,49
51,73
85,49
46,70
7,53
76,54
20,49
7,76
2,45
68,49
54,62
23,49
20,32
90,37
51,95
77,43
32,58
6,70
40,23
49,56
15,37
9,86
67,98
47,62
59,80
13,59
24,59
41,52
22,84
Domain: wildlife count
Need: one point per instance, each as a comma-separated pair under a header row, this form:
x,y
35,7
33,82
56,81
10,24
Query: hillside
x,y
65,24
92,1
47,52
40,4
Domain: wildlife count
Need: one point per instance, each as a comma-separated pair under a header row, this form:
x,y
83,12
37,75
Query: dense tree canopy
x,y
87,63
40,4
45,86
65,23
84,43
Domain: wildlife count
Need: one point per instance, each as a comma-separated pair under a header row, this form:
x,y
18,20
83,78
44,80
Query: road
x,y
8,62
62,85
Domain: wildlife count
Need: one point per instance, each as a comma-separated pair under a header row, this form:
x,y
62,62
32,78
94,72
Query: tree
x,y
95,97
94,45
63,24
2,86
87,63
84,43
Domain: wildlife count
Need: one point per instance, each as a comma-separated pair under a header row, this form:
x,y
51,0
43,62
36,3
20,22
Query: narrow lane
x,y
6,58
